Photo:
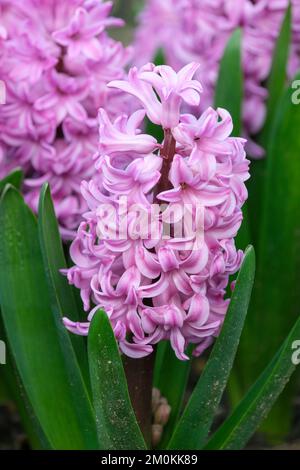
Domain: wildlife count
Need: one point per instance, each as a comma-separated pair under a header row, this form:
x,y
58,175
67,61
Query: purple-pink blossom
x,y
157,288
198,30
56,59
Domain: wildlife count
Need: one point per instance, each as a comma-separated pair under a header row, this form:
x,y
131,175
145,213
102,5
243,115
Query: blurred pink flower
x,y
56,59
80,35
198,30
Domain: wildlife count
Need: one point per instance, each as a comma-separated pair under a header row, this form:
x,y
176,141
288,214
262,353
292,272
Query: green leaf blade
x,y
245,419
276,85
231,78
194,425
16,392
61,293
116,422
278,76
55,390
14,178
275,304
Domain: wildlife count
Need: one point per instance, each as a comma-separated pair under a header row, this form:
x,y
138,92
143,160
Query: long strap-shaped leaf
x,y
115,418
278,75
16,392
229,88
194,425
61,293
276,299
39,342
9,377
246,418
229,95
14,178
275,86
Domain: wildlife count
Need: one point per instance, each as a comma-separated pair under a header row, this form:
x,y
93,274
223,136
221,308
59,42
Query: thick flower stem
x,y
139,373
167,153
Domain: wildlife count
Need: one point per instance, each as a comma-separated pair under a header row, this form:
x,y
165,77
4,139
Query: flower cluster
x,y
56,59
161,287
202,29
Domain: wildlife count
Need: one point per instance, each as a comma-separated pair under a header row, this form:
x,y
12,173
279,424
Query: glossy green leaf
x,y
229,88
194,425
15,392
276,85
243,237
39,343
61,293
14,178
231,78
170,377
276,298
277,80
241,425
8,386
116,422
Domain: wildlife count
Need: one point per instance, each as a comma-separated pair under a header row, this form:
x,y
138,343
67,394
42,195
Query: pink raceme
x,y
155,286
202,29
56,59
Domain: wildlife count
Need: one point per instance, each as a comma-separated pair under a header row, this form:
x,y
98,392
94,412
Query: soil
x,y
12,436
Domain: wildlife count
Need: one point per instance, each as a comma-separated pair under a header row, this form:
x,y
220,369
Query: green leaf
x,y
115,418
154,130
39,343
195,423
276,85
276,298
231,78
61,293
15,390
170,377
14,178
243,237
241,425
8,385
160,57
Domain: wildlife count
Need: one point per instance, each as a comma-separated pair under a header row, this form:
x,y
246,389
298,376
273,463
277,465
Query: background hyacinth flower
x,y
154,288
202,29
56,59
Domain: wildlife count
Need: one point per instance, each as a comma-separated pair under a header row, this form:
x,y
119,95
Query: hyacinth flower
x,y
56,58
155,288
202,29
